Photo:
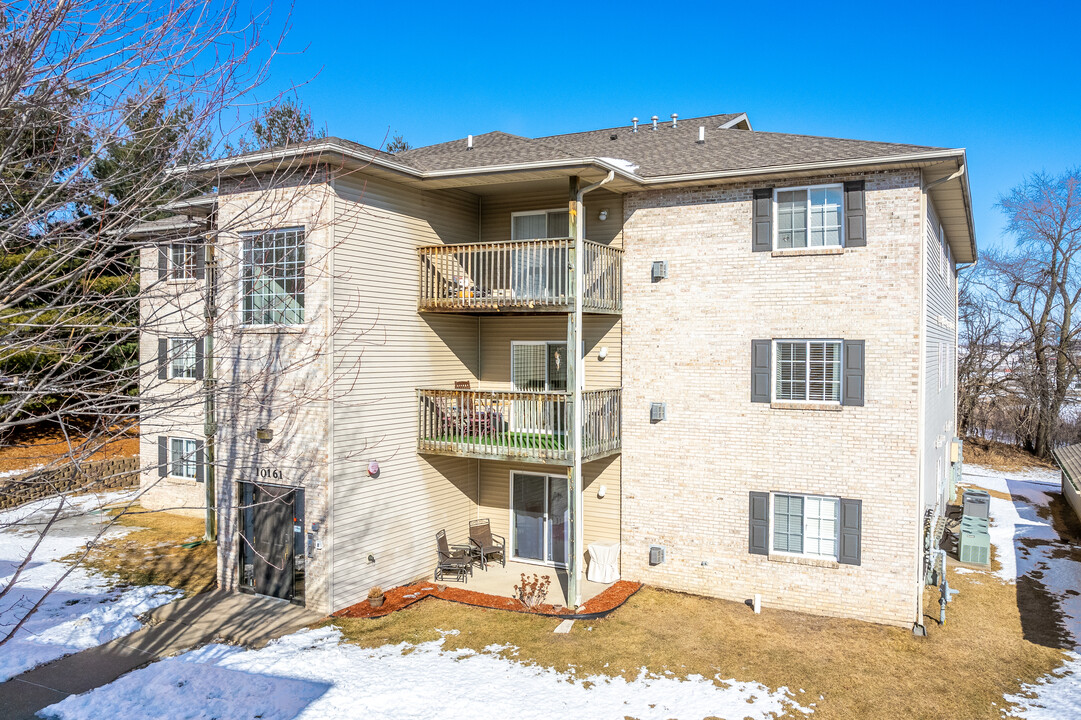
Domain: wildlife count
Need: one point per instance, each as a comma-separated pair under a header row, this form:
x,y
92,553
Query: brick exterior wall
x,y
687,342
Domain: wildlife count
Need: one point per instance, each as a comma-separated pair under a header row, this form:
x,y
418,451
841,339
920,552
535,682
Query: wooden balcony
x,y
523,426
530,276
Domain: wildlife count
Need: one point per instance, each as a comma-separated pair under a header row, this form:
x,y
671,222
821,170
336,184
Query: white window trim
x,y
776,225
522,213
172,270
170,457
836,527
240,282
171,357
773,372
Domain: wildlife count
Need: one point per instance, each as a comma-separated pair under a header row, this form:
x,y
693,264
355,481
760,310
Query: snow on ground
x,y
1027,545
86,610
313,675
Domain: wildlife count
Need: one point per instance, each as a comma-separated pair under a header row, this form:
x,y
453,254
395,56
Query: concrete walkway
x,y
249,620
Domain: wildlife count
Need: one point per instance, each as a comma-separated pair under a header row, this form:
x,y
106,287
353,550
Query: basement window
x,y
182,460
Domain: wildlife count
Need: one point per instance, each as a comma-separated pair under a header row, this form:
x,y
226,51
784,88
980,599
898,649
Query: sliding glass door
x,y
539,518
539,367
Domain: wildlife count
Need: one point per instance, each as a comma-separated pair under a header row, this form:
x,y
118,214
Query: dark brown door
x,y
267,520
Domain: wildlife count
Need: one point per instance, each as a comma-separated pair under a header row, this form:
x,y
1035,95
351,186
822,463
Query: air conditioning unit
x,y
656,554
660,270
656,412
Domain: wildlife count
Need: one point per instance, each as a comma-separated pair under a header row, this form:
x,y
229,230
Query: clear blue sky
x,y
1001,80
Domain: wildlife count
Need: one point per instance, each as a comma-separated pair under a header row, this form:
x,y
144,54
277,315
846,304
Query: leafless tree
x,y
983,377
1037,289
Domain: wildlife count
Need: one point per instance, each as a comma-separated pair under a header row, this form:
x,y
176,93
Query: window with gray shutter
x,y
760,350
163,456
758,530
852,392
851,528
163,260
762,220
855,214
200,261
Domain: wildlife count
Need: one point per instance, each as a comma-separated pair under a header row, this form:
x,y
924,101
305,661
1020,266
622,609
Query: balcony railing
x,y
520,276
527,426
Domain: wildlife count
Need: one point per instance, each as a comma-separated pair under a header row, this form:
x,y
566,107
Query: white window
x,y
807,370
809,217
182,358
272,280
181,261
805,525
182,460
540,225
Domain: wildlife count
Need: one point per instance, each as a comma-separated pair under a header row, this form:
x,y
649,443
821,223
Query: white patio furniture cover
x,y
603,563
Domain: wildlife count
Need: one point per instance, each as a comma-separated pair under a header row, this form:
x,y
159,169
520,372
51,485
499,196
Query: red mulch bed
x,y
400,597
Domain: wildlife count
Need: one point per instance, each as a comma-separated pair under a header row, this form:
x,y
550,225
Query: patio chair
x,y
455,560
484,542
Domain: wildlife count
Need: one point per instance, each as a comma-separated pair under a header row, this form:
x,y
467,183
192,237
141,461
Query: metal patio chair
x,y
484,542
457,560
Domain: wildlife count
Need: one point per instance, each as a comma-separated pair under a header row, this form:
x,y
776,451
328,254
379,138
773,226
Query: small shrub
x,y
532,593
375,592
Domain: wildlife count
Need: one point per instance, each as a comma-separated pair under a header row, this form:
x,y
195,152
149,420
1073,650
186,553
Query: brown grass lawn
x,y
961,670
999,456
152,553
46,444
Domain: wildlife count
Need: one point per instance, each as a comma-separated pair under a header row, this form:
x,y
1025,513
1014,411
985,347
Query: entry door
x,y
269,515
540,518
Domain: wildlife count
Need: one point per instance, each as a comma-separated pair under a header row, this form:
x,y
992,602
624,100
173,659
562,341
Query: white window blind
x,y
808,370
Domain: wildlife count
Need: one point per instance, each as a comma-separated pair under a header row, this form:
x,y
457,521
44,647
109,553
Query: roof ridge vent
x,y
674,116
654,118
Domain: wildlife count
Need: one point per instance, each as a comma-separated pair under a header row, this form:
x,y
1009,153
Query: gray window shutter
x,y
760,350
163,260
762,217
200,459
163,358
855,215
758,531
199,358
852,384
163,456
851,521
200,261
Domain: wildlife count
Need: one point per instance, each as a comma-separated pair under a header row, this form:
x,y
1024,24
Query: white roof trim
x,y
736,121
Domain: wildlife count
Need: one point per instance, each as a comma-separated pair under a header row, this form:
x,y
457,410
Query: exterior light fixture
x,y
604,215
603,352
373,469
264,435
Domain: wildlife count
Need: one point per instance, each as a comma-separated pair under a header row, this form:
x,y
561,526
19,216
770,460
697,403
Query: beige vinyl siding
x,y
602,515
941,330
384,349
496,213
497,334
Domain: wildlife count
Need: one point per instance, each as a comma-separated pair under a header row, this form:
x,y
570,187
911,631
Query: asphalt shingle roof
x,y
664,151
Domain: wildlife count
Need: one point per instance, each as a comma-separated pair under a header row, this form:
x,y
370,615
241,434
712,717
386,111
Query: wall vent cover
x,y
657,412
656,554
660,270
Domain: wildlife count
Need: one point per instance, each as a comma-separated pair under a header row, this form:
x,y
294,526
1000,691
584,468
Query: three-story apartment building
x,y
732,352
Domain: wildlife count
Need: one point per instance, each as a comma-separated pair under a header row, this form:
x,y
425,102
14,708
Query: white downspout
x,y
579,387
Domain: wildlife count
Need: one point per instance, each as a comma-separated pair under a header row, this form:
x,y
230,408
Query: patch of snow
x,y
1027,545
625,165
20,471
312,675
1054,697
967,571
86,609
